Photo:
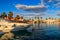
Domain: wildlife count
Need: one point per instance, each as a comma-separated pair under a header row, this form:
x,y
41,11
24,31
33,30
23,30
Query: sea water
x,y
38,31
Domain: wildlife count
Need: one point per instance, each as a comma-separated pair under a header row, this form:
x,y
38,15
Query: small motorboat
x,y
6,26
21,27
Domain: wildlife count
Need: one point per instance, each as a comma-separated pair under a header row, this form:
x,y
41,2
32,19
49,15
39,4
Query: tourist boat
x,y
22,26
6,26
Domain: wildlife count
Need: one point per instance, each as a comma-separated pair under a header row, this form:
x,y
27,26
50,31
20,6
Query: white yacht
x,y
20,26
9,26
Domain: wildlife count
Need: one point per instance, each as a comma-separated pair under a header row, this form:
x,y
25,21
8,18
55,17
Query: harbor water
x,y
38,31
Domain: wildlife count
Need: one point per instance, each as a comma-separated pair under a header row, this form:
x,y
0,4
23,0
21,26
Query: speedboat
x,y
20,27
10,26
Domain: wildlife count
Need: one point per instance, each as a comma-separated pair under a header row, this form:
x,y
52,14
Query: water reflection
x,y
7,36
16,35
47,32
41,32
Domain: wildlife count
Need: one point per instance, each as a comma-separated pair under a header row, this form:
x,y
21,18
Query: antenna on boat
x,y
42,2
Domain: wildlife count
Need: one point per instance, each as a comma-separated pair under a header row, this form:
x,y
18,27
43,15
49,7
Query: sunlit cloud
x,y
42,7
35,8
32,8
38,8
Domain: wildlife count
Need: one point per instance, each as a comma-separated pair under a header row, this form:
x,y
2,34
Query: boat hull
x,y
17,28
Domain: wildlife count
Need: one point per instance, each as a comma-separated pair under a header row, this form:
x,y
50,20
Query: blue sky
x,y
53,6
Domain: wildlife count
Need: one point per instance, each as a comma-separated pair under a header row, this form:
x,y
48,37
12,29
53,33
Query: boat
x,y
23,26
6,26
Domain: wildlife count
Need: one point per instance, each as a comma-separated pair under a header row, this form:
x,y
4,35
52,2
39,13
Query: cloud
x,y
57,5
34,14
54,1
19,6
40,8
58,13
50,1
37,8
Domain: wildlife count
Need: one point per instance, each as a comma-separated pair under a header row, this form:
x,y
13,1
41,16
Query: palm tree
x,y
38,18
46,18
21,17
17,17
10,14
41,18
3,15
49,17
35,17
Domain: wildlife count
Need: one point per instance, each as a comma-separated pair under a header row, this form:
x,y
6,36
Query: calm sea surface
x,y
35,32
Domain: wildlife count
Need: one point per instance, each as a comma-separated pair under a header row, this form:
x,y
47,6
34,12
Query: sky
x,y
25,7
